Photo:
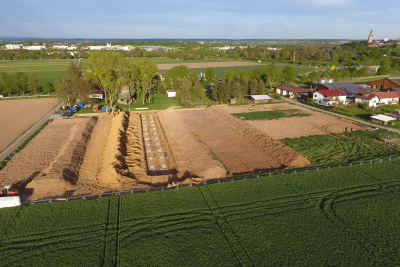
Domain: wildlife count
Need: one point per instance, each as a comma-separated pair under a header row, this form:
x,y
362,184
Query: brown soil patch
x,y
99,153
201,65
316,124
237,153
19,115
191,153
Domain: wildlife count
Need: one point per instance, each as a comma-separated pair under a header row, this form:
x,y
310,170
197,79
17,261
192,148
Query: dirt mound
x,y
49,165
113,157
192,154
285,155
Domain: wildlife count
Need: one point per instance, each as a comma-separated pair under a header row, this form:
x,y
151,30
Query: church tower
x,y
370,37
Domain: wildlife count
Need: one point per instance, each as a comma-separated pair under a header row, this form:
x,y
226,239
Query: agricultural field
x,y
344,216
19,115
285,120
346,147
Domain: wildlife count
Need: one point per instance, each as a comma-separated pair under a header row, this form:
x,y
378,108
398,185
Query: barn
x,y
387,83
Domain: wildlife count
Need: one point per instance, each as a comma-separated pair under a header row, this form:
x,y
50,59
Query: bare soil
x,y
19,115
315,124
200,65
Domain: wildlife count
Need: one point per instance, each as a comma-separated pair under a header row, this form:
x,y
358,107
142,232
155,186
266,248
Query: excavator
x,y
8,190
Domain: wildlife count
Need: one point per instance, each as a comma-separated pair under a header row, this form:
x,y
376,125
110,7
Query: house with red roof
x,y
329,98
378,98
291,91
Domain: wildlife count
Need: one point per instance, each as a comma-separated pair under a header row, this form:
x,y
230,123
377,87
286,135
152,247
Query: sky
x,y
205,19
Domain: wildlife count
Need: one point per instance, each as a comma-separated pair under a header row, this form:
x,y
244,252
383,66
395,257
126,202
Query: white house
x,y
378,98
34,47
14,46
291,91
171,93
329,98
99,94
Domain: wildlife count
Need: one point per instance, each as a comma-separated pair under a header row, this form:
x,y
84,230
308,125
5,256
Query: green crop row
x,y
343,147
342,216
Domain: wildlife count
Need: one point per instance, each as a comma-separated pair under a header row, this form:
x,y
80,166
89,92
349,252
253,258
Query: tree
x,y
220,92
8,83
103,69
254,87
146,79
47,88
33,83
21,82
288,74
303,79
313,76
82,89
272,74
209,77
64,91
261,88
199,91
177,71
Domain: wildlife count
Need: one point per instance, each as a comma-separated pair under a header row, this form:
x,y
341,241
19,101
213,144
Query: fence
x,y
259,175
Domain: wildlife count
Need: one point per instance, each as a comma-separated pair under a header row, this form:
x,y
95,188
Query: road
x,y
294,101
28,133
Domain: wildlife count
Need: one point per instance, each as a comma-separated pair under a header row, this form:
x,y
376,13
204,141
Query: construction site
x,y
98,153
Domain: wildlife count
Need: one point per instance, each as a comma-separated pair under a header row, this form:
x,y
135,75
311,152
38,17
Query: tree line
x,y
21,83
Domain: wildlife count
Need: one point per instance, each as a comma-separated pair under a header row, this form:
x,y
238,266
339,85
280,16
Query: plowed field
x,y
17,116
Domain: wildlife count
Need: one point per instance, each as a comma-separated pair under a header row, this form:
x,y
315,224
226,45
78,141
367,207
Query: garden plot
x,y
316,123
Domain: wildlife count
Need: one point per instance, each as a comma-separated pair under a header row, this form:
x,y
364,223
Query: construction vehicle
x,y
111,110
8,190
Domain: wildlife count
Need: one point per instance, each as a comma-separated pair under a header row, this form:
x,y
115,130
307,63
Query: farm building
x,y
171,93
329,98
259,99
378,98
349,88
387,83
99,94
382,119
291,91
